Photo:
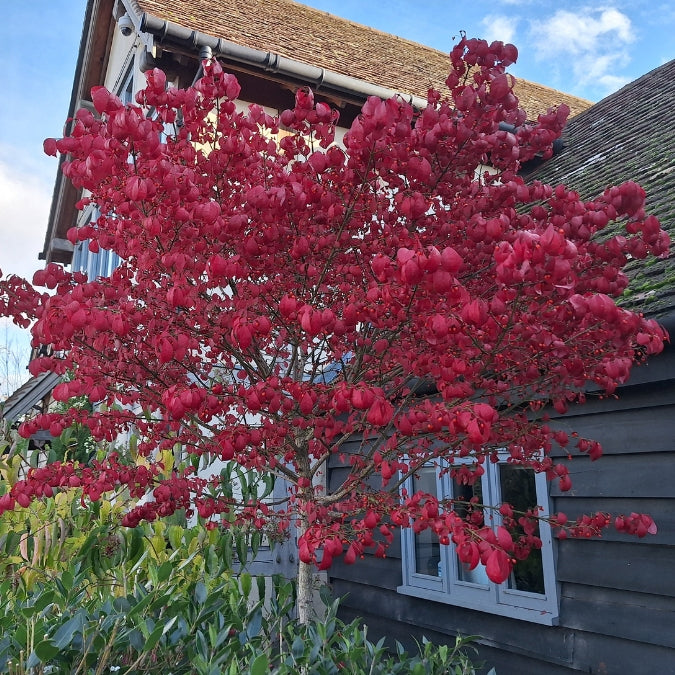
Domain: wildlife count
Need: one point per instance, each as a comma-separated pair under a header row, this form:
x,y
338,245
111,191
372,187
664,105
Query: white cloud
x,y
24,209
592,42
25,197
581,32
499,27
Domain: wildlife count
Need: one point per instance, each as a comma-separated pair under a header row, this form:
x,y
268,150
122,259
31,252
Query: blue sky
x,y
577,46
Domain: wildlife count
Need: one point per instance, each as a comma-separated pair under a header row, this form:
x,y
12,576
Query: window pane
x,y
84,256
427,548
126,94
518,489
465,493
92,266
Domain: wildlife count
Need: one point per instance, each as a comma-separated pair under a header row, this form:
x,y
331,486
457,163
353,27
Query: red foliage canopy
x,y
280,293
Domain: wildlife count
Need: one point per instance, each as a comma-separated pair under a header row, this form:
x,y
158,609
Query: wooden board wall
x,y
617,594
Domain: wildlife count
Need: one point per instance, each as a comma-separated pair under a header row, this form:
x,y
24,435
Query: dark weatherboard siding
x,y
617,594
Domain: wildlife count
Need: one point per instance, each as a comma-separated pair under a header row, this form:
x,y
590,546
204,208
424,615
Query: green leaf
x,y
226,549
136,639
269,480
325,595
201,594
64,635
241,546
202,646
33,661
256,540
147,627
184,563
164,571
246,581
139,606
260,665
169,625
67,577
90,542
11,542
132,444
254,625
46,651
175,535
134,544
152,639
298,647
21,634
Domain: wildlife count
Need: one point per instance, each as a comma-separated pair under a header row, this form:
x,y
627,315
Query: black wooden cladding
x,y
380,625
397,617
640,616
617,594
623,431
661,510
622,476
604,634
627,566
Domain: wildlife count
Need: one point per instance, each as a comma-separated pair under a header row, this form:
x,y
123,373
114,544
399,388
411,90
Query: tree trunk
x,y
305,578
305,591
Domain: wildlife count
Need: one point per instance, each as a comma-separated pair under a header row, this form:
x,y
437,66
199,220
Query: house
x,y
605,606
30,395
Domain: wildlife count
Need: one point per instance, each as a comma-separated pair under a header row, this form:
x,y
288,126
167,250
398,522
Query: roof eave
x,y
169,35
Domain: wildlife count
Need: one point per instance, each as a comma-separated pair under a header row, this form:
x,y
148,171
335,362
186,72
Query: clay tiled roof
x,y
320,39
630,135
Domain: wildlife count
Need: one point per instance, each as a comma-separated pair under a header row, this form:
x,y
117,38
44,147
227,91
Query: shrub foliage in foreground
x,y
79,594
171,622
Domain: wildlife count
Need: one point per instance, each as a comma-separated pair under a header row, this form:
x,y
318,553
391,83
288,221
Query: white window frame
x,y
488,596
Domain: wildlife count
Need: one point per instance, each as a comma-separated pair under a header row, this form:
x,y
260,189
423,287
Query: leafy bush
x,y
330,646
179,625
162,598
80,594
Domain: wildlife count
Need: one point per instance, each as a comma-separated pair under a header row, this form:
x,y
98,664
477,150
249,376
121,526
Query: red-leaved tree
x,y
280,294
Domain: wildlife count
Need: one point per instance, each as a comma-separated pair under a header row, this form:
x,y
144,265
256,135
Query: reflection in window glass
x,y
427,548
465,493
518,488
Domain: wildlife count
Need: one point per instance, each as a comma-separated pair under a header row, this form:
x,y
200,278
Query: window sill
x,y
540,616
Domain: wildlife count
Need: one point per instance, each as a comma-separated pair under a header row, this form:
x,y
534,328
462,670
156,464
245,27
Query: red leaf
x,y
498,567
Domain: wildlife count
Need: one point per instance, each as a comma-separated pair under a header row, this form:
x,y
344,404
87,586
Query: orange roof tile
x,y
321,39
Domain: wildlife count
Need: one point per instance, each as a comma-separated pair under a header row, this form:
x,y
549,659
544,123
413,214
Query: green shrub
x,y
329,647
79,594
178,625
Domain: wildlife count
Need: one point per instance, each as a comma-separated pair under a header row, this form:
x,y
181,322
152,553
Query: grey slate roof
x,y
28,395
630,135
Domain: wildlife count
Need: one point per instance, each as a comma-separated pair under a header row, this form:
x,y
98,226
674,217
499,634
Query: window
x,y
94,265
125,91
433,571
